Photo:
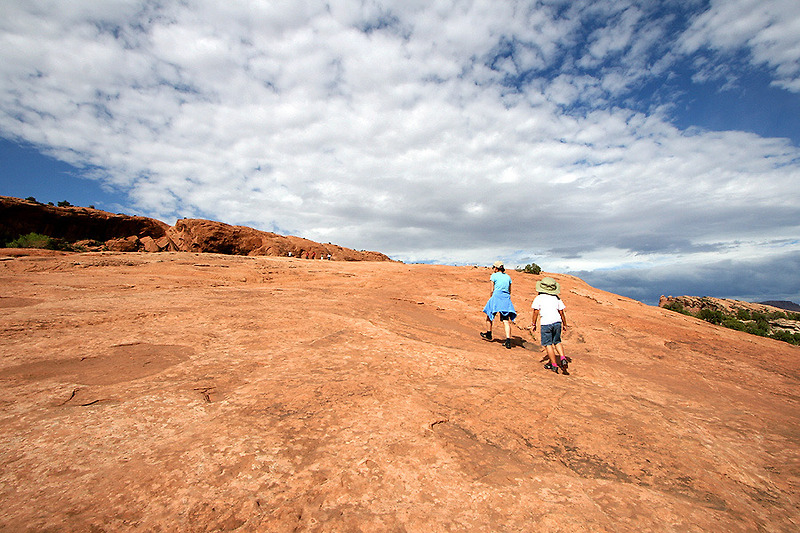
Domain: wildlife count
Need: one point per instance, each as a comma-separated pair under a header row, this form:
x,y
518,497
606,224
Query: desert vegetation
x,y
531,268
753,322
45,242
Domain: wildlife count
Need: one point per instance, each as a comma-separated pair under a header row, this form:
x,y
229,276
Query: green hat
x,y
548,286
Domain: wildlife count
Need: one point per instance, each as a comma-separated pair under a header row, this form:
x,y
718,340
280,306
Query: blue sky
x,y
651,147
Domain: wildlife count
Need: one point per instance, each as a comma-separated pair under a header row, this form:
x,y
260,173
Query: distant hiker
x,y
500,302
549,309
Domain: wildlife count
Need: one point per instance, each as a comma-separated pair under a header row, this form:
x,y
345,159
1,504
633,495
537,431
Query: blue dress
x,y
500,302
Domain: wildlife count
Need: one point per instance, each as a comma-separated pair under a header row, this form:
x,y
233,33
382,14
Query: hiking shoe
x,y
564,364
564,371
548,366
508,343
486,335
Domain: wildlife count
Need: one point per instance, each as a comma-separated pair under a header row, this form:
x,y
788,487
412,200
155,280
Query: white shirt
x,y
548,306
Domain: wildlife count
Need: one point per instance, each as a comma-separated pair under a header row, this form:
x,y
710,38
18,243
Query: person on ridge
x,y
500,302
549,309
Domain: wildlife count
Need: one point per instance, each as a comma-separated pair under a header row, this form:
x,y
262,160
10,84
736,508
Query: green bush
x,y
532,268
37,240
711,315
678,308
64,203
732,323
31,240
744,314
758,328
785,336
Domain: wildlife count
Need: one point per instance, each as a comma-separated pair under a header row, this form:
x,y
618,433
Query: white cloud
x,y
453,131
769,29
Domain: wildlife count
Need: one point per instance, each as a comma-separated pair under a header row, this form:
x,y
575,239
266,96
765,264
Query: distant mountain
x,y
783,304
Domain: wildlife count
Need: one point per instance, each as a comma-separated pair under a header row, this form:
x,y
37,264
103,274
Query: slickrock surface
x,y
200,392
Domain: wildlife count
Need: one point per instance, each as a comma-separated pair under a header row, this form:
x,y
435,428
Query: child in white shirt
x,y
549,309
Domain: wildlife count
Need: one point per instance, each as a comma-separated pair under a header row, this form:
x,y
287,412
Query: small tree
x,y
64,203
711,315
532,268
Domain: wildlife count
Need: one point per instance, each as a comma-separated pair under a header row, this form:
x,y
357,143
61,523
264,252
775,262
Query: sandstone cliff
x,y
203,392
96,230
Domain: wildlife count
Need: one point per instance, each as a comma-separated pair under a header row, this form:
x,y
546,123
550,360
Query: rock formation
x,y
732,308
97,230
20,217
195,392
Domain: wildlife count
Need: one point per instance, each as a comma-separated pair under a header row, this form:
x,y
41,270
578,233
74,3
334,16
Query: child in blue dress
x,y
500,302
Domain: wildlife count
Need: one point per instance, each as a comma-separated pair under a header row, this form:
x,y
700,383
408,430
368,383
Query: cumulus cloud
x,y
769,31
451,132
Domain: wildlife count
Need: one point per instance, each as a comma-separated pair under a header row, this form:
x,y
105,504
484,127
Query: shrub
x,y
532,268
64,203
744,314
678,308
732,323
31,240
37,240
786,336
713,316
758,328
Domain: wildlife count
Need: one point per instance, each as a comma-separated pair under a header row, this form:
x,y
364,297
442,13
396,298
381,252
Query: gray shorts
x,y
551,334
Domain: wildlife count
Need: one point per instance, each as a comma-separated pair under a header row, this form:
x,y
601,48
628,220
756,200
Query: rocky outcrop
x,y
94,230
20,217
694,304
775,318
197,235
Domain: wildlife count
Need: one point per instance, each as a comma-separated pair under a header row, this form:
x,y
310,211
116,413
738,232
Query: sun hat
x,y
548,286
498,264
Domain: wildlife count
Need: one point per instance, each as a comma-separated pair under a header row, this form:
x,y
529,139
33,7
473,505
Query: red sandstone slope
x,y
200,392
123,233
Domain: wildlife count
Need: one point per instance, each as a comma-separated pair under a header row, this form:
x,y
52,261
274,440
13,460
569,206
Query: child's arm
x,y
534,318
563,318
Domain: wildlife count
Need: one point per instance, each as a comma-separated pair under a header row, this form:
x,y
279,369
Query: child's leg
x,y
488,334
563,363
507,326
560,350
551,353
